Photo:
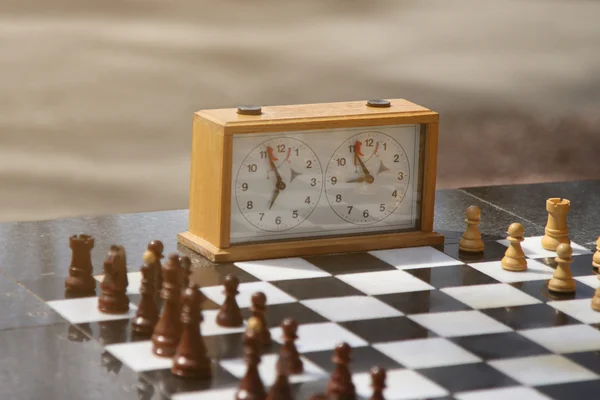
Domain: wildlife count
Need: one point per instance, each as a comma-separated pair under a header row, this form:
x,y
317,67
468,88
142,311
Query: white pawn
x,y
596,258
471,240
562,281
514,258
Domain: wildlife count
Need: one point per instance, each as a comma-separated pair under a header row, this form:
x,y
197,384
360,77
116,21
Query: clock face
x,y
319,183
278,184
367,178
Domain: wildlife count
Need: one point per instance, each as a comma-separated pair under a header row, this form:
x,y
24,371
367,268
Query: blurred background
x,y
97,97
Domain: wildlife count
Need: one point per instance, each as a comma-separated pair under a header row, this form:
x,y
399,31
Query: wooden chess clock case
x,y
298,180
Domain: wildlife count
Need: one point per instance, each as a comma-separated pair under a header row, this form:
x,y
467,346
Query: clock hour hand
x,y
273,197
368,177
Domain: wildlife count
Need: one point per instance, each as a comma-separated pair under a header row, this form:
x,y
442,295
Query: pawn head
x,y
516,230
156,246
289,325
231,282
378,375
473,212
564,251
148,257
259,299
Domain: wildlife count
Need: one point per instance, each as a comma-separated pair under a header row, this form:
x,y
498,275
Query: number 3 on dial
x,y
367,178
279,184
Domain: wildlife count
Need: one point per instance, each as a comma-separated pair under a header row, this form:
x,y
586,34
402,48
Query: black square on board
x,y
459,378
276,313
387,329
337,264
588,359
451,276
581,265
493,251
49,288
530,316
315,288
231,346
363,359
500,345
423,301
572,391
539,290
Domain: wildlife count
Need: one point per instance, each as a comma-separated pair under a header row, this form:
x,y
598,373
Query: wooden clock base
x,y
298,248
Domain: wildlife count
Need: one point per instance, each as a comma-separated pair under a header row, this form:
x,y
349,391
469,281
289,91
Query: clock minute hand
x,y
273,167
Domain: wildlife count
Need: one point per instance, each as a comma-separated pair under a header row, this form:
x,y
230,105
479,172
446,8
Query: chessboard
x,y
442,323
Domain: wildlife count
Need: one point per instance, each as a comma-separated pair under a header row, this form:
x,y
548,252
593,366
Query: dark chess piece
x,y
318,396
340,385
229,314
191,359
167,331
147,313
251,387
186,270
113,298
258,309
157,248
378,376
289,358
81,272
120,258
281,389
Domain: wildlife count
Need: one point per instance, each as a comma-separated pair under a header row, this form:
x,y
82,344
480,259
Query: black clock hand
x,y
368,177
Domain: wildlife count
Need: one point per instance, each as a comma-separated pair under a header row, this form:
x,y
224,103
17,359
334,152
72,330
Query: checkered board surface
x,y
444,325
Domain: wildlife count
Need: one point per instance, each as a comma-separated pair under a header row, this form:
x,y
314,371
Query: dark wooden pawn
x,y
378,376
120,260
186,270
81,279
167,331
251,386
340,385
281,389
147,312
229,314
258,309
113,298
191,359
289,358
157,248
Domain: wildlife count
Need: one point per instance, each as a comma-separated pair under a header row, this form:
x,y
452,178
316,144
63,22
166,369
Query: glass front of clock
x,y
322,183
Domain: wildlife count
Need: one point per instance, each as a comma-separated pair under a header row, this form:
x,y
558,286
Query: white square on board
x,y
216,394
85,309
281,269
490,296
543,370
246,290
138,356
536,271
459,323
320,337
580,309
426,353
589,280
515,392
532,247
384,282
351,308
565,339
415,257
268,371
401,384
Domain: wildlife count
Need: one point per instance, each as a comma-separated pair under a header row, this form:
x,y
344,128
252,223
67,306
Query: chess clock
x,y
297,180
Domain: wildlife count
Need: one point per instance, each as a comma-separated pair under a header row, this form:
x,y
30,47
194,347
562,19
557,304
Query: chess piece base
x,y
551,241
514,264
596,303
80,284
187,368
163,347
562,286
471,245
113,304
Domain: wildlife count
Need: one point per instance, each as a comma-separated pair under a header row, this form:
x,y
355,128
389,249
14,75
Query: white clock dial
x,y
367,178
278,184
